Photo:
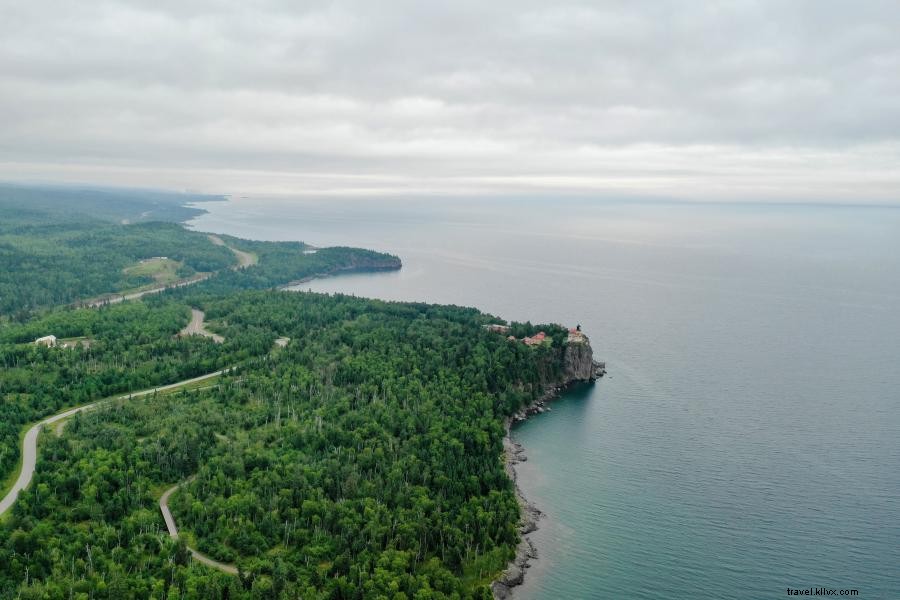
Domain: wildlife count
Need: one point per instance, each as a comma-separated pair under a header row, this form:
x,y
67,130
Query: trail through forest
x,y
29,443
173,532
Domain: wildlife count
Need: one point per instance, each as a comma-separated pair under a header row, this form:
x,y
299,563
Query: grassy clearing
x,y
163,270
158,490
194,386
75,342
59,426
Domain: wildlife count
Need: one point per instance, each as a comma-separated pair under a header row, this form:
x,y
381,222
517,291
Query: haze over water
x,y
747,437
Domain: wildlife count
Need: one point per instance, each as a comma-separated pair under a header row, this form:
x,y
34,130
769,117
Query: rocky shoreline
x,y
514,453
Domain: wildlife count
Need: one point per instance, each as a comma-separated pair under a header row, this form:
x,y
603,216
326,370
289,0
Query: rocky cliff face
x,y
373,263
578,363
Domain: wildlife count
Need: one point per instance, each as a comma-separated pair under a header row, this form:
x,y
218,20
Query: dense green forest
x,y
47,263
363,459
131,346
116,205
55,250
281,263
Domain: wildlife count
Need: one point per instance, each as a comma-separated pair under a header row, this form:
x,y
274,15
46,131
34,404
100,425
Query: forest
x,y
55,250
361,458
115,205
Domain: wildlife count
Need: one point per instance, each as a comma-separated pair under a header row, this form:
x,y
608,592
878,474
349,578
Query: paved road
x,y
173,532
113,299
29,444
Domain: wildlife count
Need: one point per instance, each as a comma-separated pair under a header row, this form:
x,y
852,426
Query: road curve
x,y
173,532
29,444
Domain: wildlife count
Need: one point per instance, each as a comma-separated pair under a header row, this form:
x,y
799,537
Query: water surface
x,y
747,438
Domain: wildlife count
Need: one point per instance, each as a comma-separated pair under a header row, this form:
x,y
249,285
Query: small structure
x,y
47,340
576,335
497,328
535,340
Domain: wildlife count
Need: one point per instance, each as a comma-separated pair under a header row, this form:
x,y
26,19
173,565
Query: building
x,y
497,328
576,335
47,340
535,340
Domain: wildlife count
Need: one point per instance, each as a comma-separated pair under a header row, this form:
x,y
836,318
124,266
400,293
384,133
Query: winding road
x,y
173,532
29,443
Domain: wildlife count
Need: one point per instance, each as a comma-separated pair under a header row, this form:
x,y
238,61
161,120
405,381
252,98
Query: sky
x,y
717,100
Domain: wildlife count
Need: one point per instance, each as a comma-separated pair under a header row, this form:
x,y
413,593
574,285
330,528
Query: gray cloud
x,y
720,99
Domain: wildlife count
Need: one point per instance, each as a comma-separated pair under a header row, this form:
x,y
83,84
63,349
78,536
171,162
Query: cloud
x,y
729,99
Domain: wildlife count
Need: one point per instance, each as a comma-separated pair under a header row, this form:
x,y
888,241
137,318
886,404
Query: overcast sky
x,y
782,99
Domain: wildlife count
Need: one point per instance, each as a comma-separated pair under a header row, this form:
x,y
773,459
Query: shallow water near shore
x,y
747,437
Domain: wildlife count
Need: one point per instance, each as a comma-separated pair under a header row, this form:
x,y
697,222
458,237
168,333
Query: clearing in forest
x,y
163,270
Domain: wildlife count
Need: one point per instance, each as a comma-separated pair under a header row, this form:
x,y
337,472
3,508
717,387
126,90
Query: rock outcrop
x,y
372,263
578,365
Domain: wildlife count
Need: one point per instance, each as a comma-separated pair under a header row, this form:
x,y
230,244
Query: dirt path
x,y
195,327
245,259
173,532
29,444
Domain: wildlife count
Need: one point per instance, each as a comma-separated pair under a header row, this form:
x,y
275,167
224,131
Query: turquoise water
x,y
747,438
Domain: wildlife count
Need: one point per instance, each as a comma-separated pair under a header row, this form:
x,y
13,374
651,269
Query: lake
x,y
747,437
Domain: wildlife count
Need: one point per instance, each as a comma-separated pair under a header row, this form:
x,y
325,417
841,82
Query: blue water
x,y
747,438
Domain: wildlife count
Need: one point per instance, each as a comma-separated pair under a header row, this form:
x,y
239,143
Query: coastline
x,y
514,574
334,272
514,453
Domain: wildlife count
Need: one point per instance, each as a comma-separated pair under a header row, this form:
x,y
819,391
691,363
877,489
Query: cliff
x,y
374,262
578,365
